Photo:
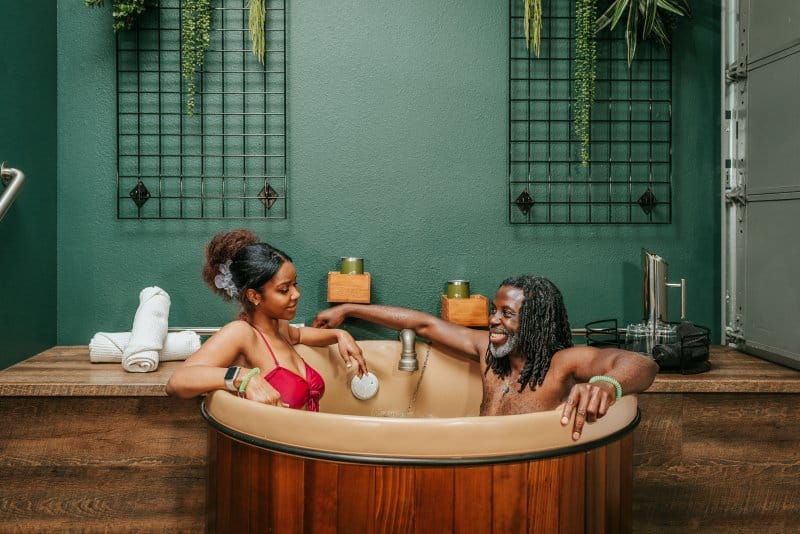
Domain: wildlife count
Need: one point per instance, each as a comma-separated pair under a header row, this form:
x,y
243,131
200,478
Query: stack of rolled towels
x,y
148,342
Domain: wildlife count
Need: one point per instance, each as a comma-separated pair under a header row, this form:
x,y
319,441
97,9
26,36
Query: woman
x,y
255,356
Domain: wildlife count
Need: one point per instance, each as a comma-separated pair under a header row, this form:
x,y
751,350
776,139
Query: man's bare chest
x,y
503,397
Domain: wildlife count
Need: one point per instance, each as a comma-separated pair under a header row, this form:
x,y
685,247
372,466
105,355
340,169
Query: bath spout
x,y
408,356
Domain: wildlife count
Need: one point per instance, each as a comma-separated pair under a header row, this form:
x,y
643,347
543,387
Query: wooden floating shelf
x,y
473,311
348,287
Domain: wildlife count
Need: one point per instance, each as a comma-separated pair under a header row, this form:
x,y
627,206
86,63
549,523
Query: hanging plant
x,y
124,12
585,71
258,18
648,18
195,38
533,25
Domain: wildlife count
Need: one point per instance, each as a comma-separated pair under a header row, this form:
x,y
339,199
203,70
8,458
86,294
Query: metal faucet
x,y
408,356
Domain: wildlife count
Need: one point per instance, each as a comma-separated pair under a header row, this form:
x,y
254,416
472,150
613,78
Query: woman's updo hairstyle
x,y
252,264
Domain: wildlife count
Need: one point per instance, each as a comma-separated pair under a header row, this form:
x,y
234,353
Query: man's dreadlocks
x,y
543,330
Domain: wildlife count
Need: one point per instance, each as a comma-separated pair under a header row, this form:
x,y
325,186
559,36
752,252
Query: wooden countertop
x,y
65,371
731,372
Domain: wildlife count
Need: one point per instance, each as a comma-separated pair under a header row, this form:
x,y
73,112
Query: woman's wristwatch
x,y
230,377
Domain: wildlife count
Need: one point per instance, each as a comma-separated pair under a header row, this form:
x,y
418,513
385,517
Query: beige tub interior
x,y
443,421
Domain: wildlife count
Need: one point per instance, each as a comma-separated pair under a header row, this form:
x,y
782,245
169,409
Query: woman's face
x,y
280,295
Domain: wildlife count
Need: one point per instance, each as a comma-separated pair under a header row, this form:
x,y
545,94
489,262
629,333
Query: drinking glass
x,y
666,334
636,338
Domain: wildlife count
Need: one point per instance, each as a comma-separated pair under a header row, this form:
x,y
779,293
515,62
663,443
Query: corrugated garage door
x,y
761,147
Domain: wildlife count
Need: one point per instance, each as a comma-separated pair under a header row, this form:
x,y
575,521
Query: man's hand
x,y
330,318
590,402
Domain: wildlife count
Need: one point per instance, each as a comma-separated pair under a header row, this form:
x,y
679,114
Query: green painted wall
x,y
28,293
397,153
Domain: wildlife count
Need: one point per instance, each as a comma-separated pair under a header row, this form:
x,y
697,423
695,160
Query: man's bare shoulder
x,y
567,361
574,354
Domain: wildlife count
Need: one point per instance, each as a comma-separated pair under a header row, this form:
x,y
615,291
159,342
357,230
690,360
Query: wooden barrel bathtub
x,y
414,458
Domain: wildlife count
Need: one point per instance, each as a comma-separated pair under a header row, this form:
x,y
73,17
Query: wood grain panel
x,y
625,483
356,511
394,499
321,490
472,500
572,497
537,496
434,498
107,431
737,468
659,438
93,499
138,463
288,504
731,372
544,486
510,498
595,490
65,371
722,429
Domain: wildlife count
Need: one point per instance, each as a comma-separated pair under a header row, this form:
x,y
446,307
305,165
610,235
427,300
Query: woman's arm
x,y
205,370
466,340
348,349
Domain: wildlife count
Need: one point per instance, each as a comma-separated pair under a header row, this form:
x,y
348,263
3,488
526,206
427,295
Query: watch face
x,y
230,374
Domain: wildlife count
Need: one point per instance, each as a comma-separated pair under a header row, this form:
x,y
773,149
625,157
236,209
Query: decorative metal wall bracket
x,y
629,176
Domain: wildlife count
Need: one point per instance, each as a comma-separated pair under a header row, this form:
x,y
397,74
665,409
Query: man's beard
x,y
505,349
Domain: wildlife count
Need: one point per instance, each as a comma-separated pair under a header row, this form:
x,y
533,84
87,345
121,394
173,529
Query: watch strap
x,y
230,377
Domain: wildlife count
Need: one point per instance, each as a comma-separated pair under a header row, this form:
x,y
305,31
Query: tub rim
x,y
583,445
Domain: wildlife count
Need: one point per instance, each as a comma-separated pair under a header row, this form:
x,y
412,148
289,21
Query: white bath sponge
x,y
364,388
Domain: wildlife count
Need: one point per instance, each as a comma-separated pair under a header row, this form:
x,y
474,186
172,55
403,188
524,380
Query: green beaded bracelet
x,y
250,374
603,378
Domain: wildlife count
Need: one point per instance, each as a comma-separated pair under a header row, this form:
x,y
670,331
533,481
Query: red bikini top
x,y
295,390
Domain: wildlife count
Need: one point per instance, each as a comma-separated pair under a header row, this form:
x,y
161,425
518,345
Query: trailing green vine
x,y
585,71
533,25
258,18
195,38
124,12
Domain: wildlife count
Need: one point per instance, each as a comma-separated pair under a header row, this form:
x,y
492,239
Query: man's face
x,y
504,320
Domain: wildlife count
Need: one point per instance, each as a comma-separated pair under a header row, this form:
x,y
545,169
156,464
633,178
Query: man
x,y
529,363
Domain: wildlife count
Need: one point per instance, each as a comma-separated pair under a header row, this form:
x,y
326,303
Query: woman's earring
x,y
256,303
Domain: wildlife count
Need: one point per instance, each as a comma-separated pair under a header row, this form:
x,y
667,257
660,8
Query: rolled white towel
x,y
107,347
148,333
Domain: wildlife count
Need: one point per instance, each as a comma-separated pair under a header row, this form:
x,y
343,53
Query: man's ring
x,y
581,412
570,401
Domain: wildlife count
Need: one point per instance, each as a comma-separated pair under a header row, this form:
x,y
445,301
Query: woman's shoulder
x,y
238,328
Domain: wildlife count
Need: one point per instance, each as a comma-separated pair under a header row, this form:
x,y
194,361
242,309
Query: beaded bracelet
x,y
603,378
250,374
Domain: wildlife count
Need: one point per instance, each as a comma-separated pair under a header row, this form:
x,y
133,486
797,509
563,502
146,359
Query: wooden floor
x,y
89,448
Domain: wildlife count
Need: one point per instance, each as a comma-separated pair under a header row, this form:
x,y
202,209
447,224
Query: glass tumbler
x,y
666,334
636,338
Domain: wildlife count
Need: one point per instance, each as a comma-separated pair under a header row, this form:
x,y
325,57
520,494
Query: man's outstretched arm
x,y
460,338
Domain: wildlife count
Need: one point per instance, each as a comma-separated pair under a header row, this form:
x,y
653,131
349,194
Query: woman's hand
x,y
259,390
330,318
349,351
590,402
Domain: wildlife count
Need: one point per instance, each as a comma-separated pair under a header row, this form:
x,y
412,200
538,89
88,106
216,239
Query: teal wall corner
x,y
28,294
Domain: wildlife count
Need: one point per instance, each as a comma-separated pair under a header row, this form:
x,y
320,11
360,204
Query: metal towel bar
x,y
13,179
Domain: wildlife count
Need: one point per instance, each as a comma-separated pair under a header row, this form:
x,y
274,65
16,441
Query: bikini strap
x,y
274,359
